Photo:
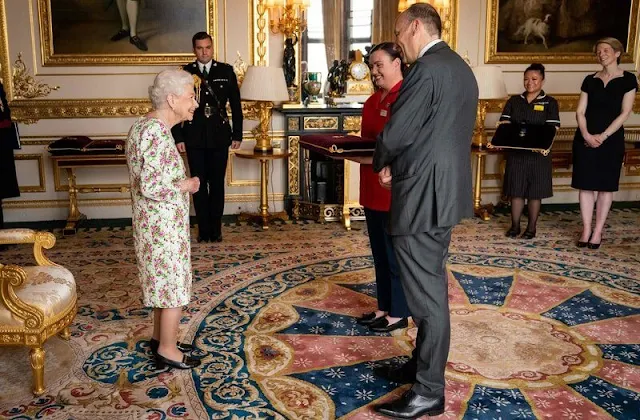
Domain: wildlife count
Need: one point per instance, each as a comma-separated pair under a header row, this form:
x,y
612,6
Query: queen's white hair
x,y
168,82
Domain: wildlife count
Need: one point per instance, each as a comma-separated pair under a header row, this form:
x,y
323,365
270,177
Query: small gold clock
x,y
359,77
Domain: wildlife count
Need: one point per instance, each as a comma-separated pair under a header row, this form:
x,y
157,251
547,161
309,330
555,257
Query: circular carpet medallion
x,y
524,344
531,338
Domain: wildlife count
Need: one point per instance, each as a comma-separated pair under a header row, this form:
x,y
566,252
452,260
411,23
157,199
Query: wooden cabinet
x,y
320,188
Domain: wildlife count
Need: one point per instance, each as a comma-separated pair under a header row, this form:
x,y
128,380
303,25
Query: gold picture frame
x,y
569,39
62,43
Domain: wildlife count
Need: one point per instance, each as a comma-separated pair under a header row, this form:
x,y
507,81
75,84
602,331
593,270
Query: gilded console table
x,y
315,120
71,162
263,216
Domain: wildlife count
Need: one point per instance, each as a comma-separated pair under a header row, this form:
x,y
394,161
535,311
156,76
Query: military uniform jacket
x,y
215,131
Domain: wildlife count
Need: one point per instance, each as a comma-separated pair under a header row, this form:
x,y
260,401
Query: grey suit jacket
x,y
427,142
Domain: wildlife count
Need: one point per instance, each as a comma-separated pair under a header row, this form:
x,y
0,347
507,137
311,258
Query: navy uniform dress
x,y
598,169
529,174
207,139
8,179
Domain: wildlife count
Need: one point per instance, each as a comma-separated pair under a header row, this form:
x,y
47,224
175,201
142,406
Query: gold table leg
x,y
346,217
480,210
263,217
74,213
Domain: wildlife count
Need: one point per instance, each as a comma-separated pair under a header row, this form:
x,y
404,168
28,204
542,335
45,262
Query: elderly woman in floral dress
x,y
160,196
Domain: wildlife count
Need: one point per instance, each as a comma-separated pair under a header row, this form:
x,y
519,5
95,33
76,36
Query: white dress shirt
x,y
203,66
429,45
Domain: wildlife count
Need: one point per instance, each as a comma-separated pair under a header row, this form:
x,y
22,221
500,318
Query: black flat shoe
x,y
412,406
512,233
186,362
122,34
203,238
383,325
183,347
528,235
593,246
140,44
217,238
367,319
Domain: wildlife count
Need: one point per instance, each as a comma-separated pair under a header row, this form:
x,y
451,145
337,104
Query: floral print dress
x,y
160,214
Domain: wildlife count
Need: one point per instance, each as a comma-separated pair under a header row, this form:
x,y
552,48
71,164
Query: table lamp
x,y
265,85
490,86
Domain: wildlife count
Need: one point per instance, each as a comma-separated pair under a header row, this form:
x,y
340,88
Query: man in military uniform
x,y
207,138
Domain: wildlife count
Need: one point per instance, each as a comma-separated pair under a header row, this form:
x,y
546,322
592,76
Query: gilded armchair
x,y
36,302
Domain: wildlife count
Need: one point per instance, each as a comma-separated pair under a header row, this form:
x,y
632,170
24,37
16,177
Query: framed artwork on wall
x,y
557,31
122,32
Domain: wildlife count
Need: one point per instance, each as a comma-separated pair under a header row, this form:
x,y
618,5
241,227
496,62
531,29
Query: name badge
x,y
383,112
538,107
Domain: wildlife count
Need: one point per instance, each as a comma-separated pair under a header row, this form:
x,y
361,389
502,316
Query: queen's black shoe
x,y
183,347
186,362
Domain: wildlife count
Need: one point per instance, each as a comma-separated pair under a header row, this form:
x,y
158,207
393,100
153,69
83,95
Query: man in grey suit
x,y
423,155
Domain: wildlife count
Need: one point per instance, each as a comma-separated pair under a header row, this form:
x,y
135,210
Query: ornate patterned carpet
x,y
540,329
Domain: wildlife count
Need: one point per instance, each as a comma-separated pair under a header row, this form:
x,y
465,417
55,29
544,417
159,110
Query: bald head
x,y
427,15
415,28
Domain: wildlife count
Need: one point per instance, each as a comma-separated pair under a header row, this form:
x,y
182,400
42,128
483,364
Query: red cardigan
x,y
375,114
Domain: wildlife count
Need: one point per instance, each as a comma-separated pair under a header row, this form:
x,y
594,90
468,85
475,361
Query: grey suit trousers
x,y
422,258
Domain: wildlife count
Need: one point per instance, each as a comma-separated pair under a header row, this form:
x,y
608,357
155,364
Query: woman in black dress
x,y
605,103
528,174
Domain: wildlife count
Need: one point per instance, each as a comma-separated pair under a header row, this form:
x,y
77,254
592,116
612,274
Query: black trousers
x,y
422,258
389,288
210,165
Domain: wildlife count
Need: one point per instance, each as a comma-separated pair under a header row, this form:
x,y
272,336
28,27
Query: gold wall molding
x,y
258,24
26,86
30,111
567,102
119,202
39,158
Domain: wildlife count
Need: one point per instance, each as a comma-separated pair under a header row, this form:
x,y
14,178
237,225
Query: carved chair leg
x,y
65,334
37,366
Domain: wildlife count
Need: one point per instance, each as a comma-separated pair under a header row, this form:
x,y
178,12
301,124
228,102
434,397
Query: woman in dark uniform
x,y
9,185
605,103
528,174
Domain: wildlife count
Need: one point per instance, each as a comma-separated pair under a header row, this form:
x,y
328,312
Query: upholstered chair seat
x,y
36,302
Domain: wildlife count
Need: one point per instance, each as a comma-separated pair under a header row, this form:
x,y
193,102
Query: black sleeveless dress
x,y
598,169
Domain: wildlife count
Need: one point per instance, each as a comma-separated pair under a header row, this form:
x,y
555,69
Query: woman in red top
x,y
386,69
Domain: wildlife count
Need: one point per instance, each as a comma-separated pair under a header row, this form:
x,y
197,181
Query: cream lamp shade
x,y
264,84
490,82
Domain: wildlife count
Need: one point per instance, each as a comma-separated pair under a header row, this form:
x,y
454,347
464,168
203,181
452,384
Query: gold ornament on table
x,y
25,86
196,85
358,84
240,68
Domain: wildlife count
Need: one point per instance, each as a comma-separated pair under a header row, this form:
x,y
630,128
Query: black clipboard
x,y
532,137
